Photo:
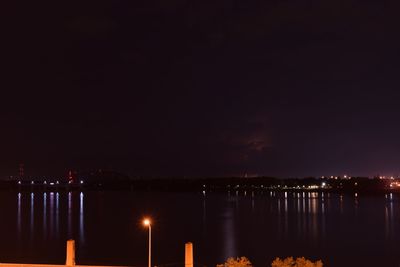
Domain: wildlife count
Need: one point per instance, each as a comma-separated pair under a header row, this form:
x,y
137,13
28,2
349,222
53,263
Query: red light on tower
x,y
70,177
21,170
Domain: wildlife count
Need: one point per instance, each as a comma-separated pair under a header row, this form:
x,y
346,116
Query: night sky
x,y
201,88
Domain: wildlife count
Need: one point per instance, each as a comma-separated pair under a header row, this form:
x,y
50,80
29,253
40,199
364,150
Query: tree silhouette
x,y
238,262
299,262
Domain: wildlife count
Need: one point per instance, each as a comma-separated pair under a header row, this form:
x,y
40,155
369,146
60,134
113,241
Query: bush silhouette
x,y
299,262
238,262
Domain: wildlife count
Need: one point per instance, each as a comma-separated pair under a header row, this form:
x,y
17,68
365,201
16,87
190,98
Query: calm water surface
x,y
341,230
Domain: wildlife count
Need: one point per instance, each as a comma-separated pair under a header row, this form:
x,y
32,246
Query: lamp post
x,y
147,223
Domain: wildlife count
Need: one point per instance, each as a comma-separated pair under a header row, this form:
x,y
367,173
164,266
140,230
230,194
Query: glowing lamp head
x,y
146,222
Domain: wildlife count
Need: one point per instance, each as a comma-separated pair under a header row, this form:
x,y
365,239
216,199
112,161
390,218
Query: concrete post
x,y
70,253
189,254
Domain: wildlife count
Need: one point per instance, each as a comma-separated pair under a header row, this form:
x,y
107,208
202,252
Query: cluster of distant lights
x,y
384,177
322,185
314,186
336,177
349,177
51,183
395,184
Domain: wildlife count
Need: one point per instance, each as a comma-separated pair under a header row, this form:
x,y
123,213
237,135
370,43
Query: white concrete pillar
x,y
189,254
70,253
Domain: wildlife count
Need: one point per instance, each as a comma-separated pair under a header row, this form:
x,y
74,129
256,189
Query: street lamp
x,y
147,223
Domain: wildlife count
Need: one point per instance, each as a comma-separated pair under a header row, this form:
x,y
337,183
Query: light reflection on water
x,y
50,215
19,219
315,220
45,215
389,218
81,219
310,208
69,215
57,214
32,216
228,229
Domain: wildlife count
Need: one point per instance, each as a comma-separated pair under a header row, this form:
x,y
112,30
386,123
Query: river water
x,y
341,230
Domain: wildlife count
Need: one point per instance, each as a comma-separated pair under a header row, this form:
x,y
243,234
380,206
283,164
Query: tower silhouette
x,y
21,171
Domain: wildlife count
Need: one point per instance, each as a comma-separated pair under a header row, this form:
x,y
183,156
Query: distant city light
x,y
395,184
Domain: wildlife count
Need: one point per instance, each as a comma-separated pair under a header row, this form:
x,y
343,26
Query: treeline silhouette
x,y
116,181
